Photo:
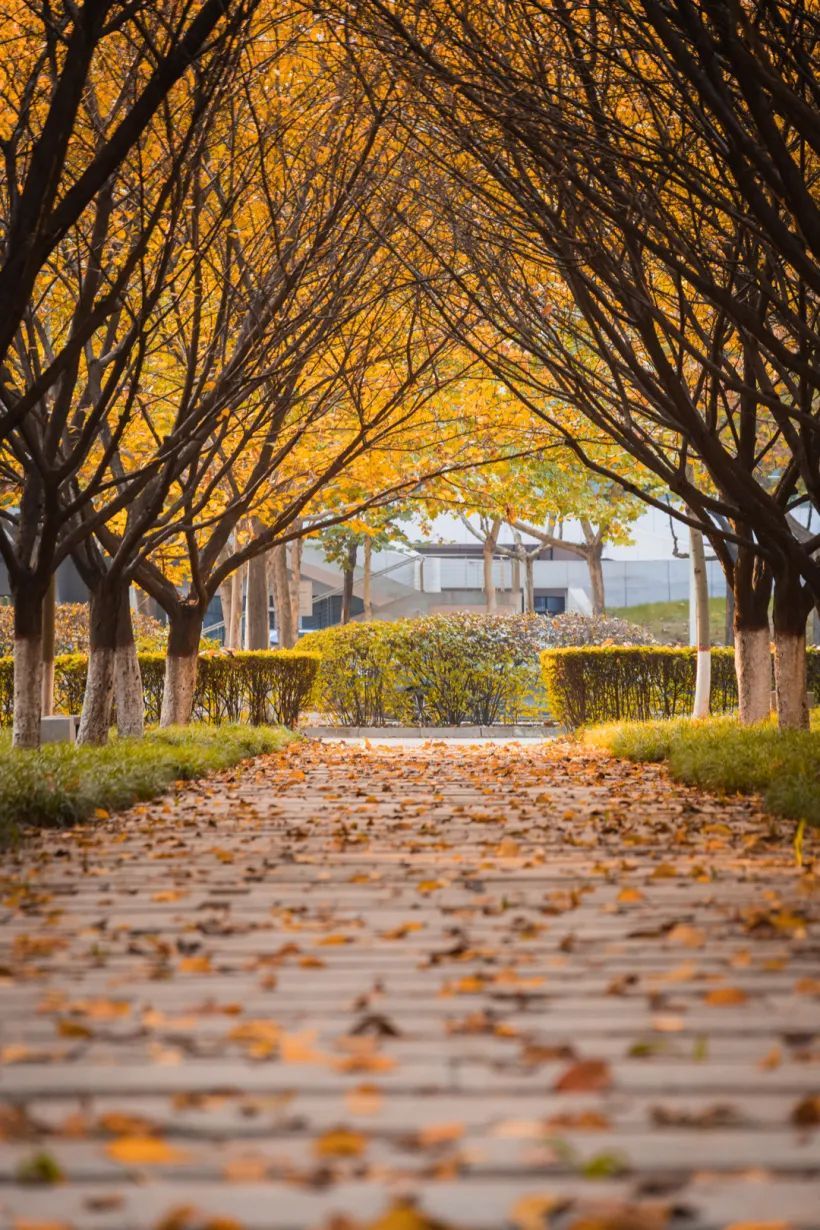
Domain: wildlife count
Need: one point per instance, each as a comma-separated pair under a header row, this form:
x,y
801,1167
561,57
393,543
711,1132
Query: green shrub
x,y
358,682
447,669
467,668
613,684
261,687
63,783
71,629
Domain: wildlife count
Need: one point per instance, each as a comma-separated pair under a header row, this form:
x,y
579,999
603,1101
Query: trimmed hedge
x,y
615,684
258,688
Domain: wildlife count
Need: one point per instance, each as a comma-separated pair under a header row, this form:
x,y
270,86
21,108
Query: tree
x,y
626,277
95,260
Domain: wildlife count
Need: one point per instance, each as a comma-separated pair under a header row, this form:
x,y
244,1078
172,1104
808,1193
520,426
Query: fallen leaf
x,y
531,1212
340,1142
686,936
807,1112
439,1134
145,1151
725,997
585,1076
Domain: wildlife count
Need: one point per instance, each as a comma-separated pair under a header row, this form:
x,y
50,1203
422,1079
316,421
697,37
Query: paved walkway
x,y
444,986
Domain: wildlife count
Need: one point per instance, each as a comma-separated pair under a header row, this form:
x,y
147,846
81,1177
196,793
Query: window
x,y
550,604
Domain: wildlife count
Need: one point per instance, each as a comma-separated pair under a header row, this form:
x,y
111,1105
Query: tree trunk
x,y
282,597
790,613
347,581
49,614
106,600
529,583
703,642
226,600
596,579
488,551
753,660
257,617
233,633
728,637
180,664
367,581
28,666
128,691
296,550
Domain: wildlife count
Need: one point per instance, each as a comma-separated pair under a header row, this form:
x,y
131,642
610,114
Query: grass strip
x,y
723,756
61,783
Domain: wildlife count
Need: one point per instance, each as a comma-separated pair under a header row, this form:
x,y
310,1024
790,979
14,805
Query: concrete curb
x,y
431,732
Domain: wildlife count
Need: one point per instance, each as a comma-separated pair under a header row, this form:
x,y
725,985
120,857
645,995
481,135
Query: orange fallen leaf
x,y
405,1216
340,1142
195,965
686,936
251,1169
300,1048
440,1134
531,1212
628,896
725,997
145,1151
25,1223
758,1225
364,1100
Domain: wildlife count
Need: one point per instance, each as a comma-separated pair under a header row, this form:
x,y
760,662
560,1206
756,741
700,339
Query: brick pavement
x,y
451,986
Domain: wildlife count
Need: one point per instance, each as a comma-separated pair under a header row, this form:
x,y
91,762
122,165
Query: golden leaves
x,y
340,1142
145,1151
725,997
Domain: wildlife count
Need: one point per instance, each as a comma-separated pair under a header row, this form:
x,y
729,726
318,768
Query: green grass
x,y
669,621
720,755
62,783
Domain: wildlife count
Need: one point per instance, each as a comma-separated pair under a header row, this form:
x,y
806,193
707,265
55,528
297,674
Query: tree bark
x,y
185,629
296,550
529,583
226,599
282,596
233,634
367,581
257,618
128,691
596,579
488,551
790,614
347,581
751,584
106,600
49,615
703,671
28,666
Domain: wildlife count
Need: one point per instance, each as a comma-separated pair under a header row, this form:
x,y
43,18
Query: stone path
x,y
445,986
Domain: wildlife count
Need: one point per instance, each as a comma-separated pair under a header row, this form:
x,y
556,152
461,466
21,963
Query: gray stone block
x,y
60,728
